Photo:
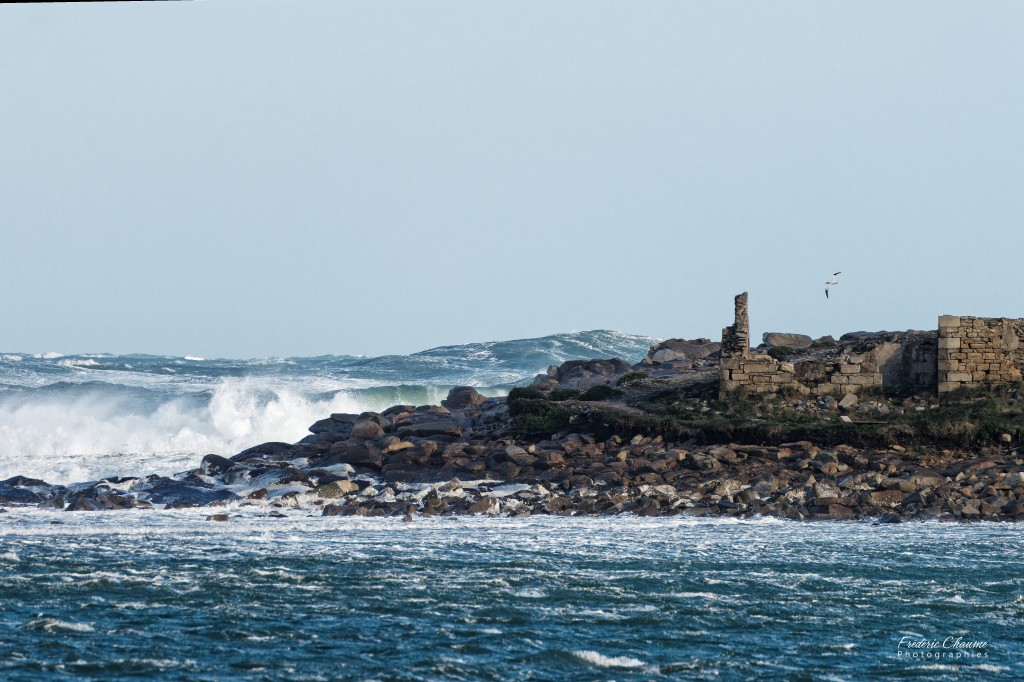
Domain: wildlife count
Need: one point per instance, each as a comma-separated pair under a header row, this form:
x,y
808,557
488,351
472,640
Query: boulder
x,y
684,349
178,493
338,488
784,340
848,401
667,355
355,453
584,374
461,397
367,430
215,465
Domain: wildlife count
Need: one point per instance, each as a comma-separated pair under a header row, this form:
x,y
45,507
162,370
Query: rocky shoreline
x,y
467,456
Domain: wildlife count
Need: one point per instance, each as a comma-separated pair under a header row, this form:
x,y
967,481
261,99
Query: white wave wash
x,y
62,440
71,418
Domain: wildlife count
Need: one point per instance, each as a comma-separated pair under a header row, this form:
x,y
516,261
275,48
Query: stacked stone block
x,y
979,351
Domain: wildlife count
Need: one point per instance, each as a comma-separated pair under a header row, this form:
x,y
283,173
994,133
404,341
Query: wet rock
x,y
270,451
356,453
424,426
215,465
335,489
462,397
173,493
367,430
485,505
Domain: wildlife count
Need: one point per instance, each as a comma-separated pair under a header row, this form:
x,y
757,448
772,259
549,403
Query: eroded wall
x,y
976,351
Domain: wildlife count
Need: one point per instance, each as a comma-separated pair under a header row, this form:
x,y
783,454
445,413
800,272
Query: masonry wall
x,y
977,351
900,363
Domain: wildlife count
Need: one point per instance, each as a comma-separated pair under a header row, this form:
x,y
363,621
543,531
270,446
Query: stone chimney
x,y
736,339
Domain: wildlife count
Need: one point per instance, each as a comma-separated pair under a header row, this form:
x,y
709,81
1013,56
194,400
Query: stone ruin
x,y
965,352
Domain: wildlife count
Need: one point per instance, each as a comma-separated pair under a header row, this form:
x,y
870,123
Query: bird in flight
x,y
832,282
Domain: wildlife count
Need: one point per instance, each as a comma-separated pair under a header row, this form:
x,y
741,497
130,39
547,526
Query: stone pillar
x,y
736,339
742,324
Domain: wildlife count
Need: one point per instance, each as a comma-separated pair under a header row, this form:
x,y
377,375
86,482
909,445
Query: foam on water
x,y
603,661
66,418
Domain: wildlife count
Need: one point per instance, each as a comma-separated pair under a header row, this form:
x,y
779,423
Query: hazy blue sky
x,y
292,178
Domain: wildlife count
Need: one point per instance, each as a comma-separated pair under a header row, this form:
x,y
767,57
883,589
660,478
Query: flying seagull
x,y
832,282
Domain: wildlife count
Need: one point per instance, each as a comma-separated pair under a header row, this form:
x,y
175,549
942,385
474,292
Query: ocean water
x,y
169,595
166,595
67,418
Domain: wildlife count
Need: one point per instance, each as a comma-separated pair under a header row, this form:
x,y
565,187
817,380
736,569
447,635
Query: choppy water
x,y
67,418
166,595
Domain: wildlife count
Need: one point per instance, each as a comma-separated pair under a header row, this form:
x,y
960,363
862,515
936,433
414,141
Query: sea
x,y
171,595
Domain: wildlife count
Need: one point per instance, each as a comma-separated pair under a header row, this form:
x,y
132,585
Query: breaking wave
x,y
70,418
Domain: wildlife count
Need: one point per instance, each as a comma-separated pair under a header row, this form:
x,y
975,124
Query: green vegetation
x,y
963,424
782,352
969,420
560,394
598,393
631,378
534,414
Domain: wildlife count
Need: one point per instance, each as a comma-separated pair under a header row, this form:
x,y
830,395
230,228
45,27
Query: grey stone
x,y
780,339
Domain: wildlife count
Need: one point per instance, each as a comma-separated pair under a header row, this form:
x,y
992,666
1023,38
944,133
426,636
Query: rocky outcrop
x,y
582,374
435,460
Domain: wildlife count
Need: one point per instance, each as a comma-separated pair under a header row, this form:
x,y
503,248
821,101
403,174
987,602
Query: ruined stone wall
x,y
977,351
898,364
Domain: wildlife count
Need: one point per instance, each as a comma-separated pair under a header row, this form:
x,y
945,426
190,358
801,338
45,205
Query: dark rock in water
x,y
99,497
23,482
397,409
22,490
215,465
355,453
218,517
888,518
334,424
266,451
173,493
462,397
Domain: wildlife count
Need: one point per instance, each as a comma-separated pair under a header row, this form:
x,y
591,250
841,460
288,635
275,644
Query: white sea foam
x,y
51,624
71,362
603,661
986,667
9,556
10,358
62,439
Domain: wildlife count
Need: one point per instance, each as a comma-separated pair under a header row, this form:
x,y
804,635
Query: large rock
x,y
177,493
367,430
584,374
355,453
680,349
426,425
461,397
783,340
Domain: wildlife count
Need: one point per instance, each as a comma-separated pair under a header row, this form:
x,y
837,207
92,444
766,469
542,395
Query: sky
x,y
252,179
